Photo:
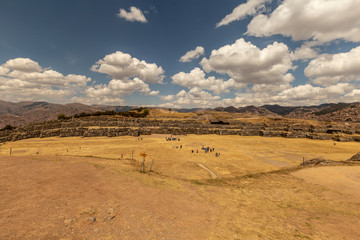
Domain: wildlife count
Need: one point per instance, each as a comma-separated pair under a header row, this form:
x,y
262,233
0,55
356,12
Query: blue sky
x,y
180,53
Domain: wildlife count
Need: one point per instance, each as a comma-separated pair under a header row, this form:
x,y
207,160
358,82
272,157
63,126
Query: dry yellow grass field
x,y
247,200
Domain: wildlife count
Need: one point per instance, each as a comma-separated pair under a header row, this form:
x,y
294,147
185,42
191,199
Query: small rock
x,y
92,219
91,211
67,222
108,218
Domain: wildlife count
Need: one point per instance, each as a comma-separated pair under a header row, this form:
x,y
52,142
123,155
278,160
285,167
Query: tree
x,y
8,127
62,117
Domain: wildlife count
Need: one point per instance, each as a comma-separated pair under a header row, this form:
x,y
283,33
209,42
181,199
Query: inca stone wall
x,y
113,127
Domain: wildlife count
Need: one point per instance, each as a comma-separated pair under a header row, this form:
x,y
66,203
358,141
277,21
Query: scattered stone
x,y
356,157
108,218
92,219
68,222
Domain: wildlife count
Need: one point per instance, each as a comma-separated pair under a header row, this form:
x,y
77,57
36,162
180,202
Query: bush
x,y
333,108
7,127
62,117
139,113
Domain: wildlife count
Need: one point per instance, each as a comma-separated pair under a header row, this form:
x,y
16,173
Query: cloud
x,y
321,20
352,96
153,93
168,97
250,8
306,51
133,15
329,69
245,63
23,64
196,78
193,54
128,75
3,71
22,79
195,97
269,89
121,65
114,91
299,95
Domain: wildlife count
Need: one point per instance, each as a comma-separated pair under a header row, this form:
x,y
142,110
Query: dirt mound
x,y
356,157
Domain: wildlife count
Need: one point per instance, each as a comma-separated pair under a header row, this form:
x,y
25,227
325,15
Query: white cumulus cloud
x,y
246,63
195,97
154,93
128,75
299,95
115,90
306,51
321,20
123,66
196,78
329,69
250,8
193,54
133,15
23,65
22,79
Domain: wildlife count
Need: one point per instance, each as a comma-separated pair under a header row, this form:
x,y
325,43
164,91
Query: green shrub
x,y
7,127
62,117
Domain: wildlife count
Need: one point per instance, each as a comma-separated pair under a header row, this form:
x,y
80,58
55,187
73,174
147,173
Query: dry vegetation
x,y
259,192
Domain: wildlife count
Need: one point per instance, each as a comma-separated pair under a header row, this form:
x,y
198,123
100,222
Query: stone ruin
x,y
121,126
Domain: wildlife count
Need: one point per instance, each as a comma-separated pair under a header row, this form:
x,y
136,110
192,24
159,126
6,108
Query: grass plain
x,y
259,192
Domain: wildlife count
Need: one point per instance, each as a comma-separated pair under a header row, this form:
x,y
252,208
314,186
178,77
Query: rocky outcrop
x,y
319,161
356,157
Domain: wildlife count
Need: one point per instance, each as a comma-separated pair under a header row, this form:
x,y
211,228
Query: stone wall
x,y
113,127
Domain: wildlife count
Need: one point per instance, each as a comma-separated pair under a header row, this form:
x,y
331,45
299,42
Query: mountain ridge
x,y
24,112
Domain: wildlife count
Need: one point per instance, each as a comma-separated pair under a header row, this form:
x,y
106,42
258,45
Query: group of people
x,y
207,149
172,139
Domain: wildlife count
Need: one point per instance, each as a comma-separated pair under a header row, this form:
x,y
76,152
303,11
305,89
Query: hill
x,y
24,112
324,112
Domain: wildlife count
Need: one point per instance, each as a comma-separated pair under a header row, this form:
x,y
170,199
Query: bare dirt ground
x,y
342,179
81,188
57,199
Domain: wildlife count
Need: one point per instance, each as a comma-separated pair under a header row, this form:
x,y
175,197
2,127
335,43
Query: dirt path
x,y
57,198
212,174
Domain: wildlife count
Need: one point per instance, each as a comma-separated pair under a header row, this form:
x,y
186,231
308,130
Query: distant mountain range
x,y
24,112
323,112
